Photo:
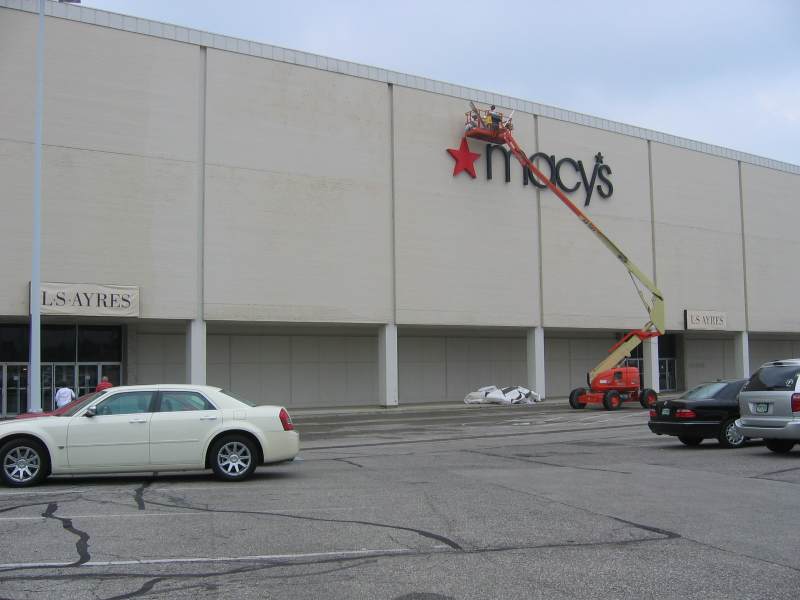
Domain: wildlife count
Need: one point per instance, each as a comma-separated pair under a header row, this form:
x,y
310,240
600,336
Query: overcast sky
x,y
720,71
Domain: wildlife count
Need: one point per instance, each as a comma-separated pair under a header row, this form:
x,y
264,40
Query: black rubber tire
x,y
612,400
727,440
230,445
688,440
779,446
573,398
28,447
648,398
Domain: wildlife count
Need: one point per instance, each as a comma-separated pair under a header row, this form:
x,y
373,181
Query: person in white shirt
x,y
64,395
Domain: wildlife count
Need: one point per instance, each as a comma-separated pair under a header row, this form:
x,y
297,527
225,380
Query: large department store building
x,y
288,226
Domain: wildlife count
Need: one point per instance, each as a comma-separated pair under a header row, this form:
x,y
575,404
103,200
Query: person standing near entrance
x,y
64,395
104,384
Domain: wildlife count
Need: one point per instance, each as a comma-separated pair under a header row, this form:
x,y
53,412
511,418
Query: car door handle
x,y
209,418
138,421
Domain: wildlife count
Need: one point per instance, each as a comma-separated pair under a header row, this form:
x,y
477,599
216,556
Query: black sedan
x,y
707,411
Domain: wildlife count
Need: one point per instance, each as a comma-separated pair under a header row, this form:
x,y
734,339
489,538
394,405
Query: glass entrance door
x,y
59,376
88,378
15,391
113,372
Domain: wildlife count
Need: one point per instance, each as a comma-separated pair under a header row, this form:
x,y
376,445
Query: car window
x,y
731,390
242,400
78,404
706,390
773,378
125,403
183,401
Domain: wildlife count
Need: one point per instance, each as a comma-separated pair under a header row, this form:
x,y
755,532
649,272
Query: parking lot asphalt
x,y
426,504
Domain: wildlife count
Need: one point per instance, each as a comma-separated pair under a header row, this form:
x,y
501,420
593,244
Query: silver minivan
x,y
769,405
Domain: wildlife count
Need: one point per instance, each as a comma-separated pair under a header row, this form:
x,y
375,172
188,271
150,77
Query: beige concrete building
x,y
288,226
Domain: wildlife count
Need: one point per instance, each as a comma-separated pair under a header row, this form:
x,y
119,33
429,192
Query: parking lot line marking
x,y
184,514
118,516
43,493
288,558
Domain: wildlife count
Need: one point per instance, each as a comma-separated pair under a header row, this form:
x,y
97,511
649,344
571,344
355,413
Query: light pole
x,y
35,369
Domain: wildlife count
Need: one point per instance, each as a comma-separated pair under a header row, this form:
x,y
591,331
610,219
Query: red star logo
x,y
465,160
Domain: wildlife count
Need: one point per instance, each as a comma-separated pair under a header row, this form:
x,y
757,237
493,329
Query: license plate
x,y
665,411
762,407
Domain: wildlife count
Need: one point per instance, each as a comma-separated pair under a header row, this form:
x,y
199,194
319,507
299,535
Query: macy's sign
x,y
568,174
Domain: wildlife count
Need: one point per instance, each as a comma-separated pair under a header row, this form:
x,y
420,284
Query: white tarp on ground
x,y
491,394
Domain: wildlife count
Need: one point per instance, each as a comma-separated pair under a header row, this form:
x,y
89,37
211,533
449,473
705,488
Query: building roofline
x,y
168,31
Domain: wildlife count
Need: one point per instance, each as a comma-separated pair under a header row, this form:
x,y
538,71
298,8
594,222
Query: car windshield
x,y
242,400
706,390
79,404
774,378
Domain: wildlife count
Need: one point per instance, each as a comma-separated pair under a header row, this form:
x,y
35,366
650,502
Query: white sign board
x,y
705,319
89,299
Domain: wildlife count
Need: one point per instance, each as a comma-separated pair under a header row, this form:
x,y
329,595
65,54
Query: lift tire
x,y
612,400
648,398
573,398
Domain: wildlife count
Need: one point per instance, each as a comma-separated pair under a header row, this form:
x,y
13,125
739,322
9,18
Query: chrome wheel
x,y
733,436
22,464
234,458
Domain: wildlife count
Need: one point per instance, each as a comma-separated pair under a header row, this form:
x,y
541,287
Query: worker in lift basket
x,y
472,122
495,116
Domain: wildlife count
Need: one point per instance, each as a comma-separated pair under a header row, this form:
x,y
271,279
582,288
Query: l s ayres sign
x,y
705,320
568,174
89,299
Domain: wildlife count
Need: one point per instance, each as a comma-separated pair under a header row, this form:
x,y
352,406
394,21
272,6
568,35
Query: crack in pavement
x,y
349,462
145,588
549,464
472,437
764,475
154,578
138,494
421,532
82,545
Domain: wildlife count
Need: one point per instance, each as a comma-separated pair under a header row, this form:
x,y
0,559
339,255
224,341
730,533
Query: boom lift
x,y
610,382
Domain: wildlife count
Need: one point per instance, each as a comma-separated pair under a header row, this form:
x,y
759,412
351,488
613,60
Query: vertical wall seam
x,y
652,210
392,182
539,226
744,249
201,191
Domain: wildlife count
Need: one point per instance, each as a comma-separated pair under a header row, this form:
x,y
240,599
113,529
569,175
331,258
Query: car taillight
x,y
795,402
286,420
652,412
685,413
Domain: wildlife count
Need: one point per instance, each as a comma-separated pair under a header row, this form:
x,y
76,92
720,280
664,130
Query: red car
x,y
59,411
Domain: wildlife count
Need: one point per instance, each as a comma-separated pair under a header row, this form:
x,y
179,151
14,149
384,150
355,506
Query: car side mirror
x,y
90,412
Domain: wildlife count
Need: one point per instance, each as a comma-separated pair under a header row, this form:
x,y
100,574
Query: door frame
x,y
4,391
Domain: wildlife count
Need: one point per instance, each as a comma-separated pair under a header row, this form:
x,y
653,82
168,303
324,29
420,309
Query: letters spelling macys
x,y
600,172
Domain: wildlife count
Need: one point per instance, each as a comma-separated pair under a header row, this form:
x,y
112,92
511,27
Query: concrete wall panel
x,y
295,371
160,358
467,249
445,369
119,194
298,194
708,359
698,234
569,357
767,349
771,215
584,283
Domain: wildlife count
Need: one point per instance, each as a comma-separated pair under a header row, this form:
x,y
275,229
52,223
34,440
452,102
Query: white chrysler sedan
x,y
148,428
